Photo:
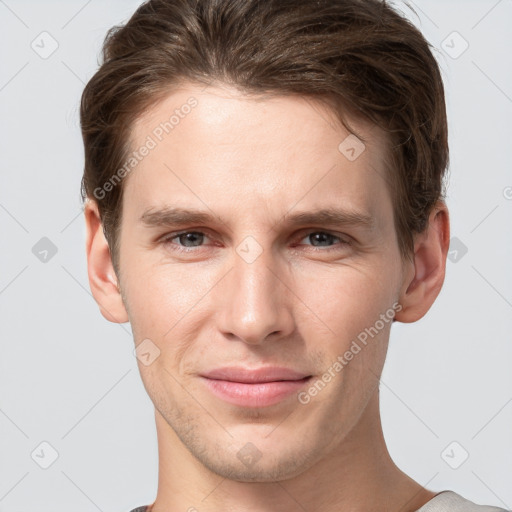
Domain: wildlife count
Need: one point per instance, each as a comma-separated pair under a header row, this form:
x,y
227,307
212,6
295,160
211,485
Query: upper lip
x,y
248,375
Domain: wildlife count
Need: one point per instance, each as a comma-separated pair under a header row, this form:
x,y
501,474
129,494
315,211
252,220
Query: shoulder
x,y
449,501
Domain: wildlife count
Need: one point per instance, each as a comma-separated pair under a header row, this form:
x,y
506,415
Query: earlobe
x,y
425,278
102,278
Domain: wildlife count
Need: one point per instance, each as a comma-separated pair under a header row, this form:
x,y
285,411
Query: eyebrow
x,y
175,216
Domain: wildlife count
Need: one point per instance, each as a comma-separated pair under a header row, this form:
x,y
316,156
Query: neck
x,y
358,475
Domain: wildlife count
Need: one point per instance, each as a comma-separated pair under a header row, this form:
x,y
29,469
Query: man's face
x,y
252,289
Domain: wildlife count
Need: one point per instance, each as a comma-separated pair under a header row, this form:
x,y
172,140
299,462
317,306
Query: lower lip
x,y
260,394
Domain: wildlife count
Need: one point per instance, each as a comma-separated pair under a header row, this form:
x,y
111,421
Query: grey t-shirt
x,y
449,501
445,501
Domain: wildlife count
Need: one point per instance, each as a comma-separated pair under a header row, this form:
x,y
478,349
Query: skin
x,y
252,162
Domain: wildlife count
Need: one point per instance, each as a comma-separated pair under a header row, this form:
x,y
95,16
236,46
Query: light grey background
x,y
69,378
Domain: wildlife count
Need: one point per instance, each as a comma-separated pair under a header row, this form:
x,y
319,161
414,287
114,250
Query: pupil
x,y
189,237
321,237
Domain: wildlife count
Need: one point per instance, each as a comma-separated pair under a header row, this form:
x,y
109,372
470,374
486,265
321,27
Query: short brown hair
x,y
360,55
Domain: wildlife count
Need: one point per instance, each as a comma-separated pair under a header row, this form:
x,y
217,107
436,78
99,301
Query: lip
x,y
259,387
254,376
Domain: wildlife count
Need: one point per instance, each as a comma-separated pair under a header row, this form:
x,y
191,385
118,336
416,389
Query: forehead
x,y
220,109
208,144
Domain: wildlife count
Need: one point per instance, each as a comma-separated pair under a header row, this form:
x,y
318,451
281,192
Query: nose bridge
x,y
254,303
254,277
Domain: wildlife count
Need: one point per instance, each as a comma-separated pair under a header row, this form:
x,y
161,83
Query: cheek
x,y
343,302
351,339
161,296
168,305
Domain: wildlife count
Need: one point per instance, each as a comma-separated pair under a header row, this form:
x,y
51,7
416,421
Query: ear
x,y
102,277
424,276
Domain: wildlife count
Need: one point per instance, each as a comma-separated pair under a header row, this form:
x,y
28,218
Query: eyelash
x,y
166,240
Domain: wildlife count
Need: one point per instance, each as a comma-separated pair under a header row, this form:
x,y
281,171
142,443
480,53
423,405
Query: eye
x,y
186,240
324,239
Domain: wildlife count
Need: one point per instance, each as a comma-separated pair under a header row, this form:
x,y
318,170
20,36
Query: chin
x,y
258,473
270,463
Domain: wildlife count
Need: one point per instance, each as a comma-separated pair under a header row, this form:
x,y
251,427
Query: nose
x,y
253,300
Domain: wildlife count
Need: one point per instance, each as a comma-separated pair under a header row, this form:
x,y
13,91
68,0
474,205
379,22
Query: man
x,y
264,198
